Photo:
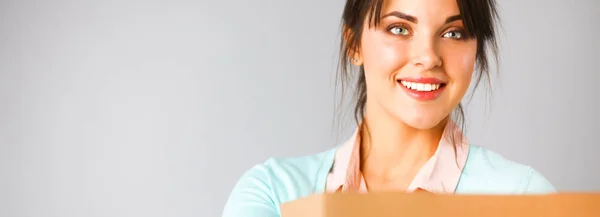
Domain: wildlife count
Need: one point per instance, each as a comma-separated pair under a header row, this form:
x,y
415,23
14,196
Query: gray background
x,y
155,108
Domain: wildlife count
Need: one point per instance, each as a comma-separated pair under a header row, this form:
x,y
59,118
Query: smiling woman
x,y
414,60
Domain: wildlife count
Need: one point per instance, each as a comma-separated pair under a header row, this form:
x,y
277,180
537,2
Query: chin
x,y
422,122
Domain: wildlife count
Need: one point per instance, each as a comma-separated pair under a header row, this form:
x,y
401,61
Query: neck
x,y
392,149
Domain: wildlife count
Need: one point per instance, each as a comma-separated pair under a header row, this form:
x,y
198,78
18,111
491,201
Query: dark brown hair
x,y
479,16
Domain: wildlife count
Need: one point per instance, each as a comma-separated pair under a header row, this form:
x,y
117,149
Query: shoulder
x,y
264,186
489,172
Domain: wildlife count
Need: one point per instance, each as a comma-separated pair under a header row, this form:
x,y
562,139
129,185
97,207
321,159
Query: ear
x,y
353,52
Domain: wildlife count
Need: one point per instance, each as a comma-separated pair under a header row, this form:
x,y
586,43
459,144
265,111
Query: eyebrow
x,y
401,15
453,18
413,19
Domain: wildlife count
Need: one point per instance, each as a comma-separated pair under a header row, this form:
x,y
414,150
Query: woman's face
x,y
418,61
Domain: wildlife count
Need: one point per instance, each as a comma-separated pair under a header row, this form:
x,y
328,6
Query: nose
x,y
424,54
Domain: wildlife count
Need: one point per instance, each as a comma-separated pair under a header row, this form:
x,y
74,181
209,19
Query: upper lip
x,y
425,80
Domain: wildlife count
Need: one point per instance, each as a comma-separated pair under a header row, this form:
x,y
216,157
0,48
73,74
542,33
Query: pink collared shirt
x,y
440,174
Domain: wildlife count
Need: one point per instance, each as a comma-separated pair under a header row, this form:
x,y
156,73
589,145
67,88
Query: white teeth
x,y
420,86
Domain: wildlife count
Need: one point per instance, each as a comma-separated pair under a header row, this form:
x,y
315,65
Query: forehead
x,y
422,9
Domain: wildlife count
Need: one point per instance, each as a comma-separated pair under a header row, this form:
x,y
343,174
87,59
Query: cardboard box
x,y
429,205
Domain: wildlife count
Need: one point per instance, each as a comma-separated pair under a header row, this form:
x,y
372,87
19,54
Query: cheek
x,y
459,66
468,62
382,57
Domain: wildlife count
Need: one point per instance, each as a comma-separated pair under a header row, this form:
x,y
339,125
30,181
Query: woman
x,y
415,61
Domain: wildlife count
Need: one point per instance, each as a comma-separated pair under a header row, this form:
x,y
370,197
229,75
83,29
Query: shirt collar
x,y
440,174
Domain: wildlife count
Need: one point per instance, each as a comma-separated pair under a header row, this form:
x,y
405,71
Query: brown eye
x,y
399,30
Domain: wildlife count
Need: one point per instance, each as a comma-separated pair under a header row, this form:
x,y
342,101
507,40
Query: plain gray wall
x,y
155,108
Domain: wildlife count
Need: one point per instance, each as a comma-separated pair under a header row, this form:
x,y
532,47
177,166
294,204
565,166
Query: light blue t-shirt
x,y
260,191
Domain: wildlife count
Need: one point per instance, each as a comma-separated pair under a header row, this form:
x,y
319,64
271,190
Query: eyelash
x,y
461,33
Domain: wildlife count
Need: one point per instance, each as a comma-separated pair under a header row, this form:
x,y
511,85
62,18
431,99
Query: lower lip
x,y
423,95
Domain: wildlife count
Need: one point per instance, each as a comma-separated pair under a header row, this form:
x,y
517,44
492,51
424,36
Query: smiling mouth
x,y
421,87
